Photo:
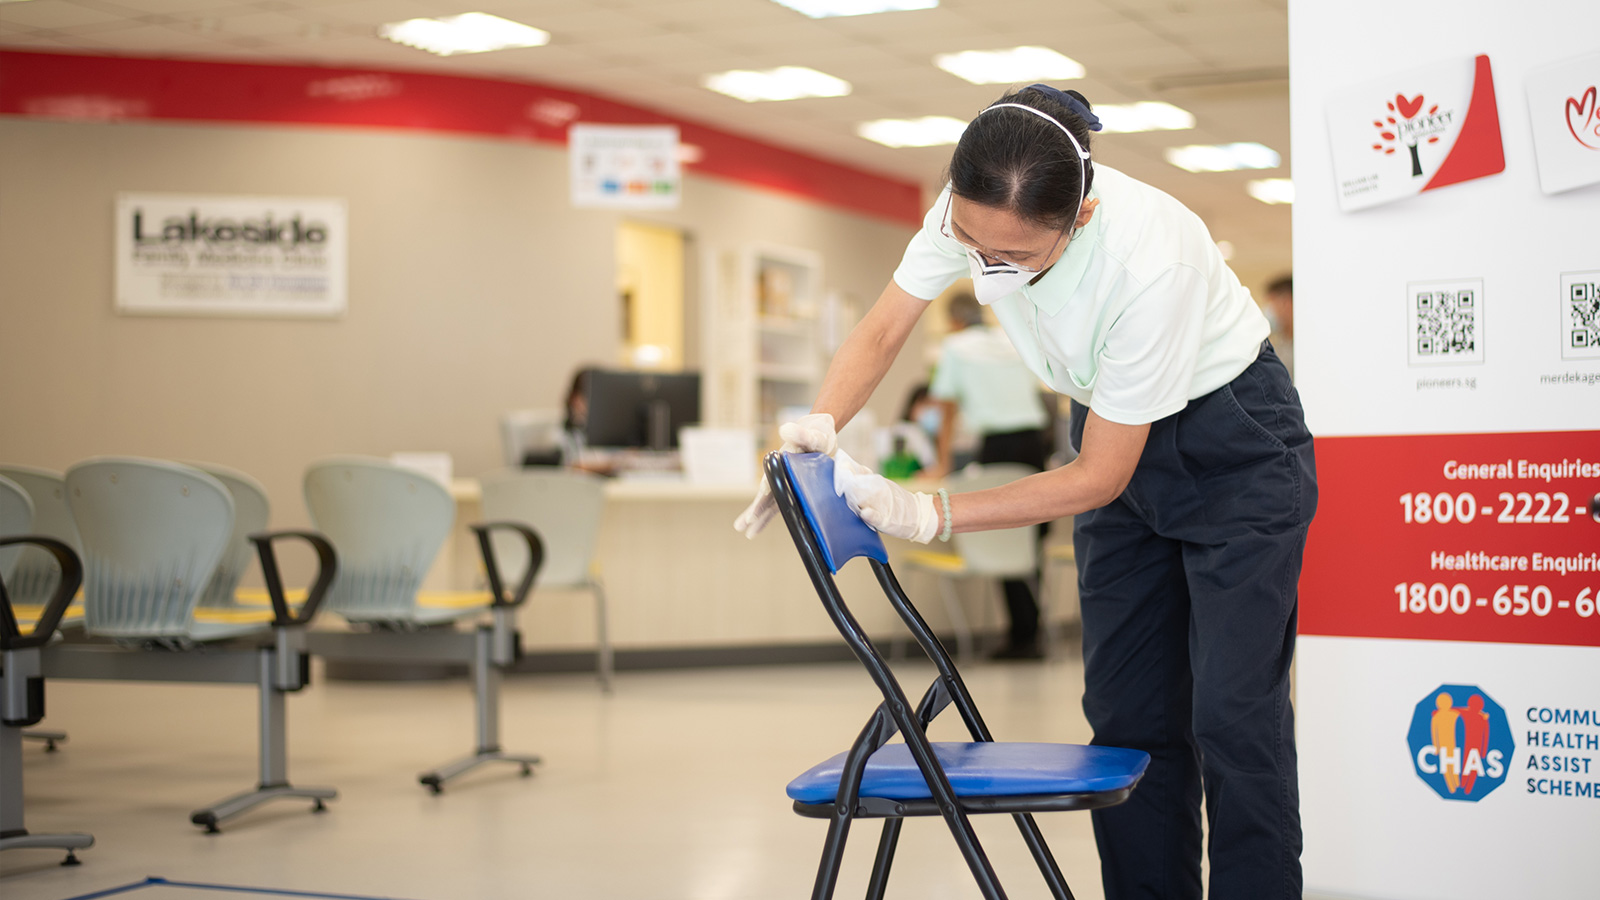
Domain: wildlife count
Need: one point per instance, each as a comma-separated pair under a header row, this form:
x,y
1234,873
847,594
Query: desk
x,y
678,576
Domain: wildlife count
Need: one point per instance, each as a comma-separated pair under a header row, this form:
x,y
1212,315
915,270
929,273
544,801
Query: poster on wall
x,y
206,255
1448,357
624,166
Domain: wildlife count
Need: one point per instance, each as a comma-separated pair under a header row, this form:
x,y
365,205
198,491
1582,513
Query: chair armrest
x,y
535,560
11,636
327,568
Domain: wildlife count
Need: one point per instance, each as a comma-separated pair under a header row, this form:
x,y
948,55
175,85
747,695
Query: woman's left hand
x,y
887,507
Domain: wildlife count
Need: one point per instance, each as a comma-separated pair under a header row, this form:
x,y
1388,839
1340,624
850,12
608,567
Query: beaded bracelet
x,y
944,499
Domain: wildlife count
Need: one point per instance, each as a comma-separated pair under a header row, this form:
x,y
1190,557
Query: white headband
x,y
1083,155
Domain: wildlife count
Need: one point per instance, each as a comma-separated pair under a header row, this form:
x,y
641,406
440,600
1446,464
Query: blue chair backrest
x,y
840,532
387,523
152,534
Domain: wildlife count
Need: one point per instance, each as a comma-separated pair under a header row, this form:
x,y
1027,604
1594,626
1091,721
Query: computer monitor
x,y
640,409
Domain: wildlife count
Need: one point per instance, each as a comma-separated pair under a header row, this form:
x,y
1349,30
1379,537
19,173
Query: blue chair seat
x,y
981,769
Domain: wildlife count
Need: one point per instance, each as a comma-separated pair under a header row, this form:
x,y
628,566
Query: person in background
x,y
1279,307
981,376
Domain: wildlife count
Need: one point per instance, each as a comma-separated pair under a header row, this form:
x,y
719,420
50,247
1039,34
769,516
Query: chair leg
x,y
832,857
958,618
1041,854
274,759
884,859
486,693
604,661
13,834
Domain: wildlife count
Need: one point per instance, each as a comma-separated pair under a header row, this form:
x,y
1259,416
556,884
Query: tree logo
x,y
1411,128
1583,119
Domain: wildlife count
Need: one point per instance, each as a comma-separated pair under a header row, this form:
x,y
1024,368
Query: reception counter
x,y
678,577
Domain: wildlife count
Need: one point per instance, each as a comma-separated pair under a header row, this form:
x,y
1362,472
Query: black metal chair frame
x,y
895,714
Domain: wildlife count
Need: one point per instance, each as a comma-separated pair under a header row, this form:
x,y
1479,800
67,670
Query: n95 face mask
x,y
990,282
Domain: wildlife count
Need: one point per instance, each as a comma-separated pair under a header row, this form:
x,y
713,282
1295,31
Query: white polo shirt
x,y
1138,317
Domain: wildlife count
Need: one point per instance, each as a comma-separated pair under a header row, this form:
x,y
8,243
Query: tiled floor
x,y
670,789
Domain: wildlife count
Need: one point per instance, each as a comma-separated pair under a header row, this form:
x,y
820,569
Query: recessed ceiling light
x,y
1009,66
823,9
473,32
782,83
1271,190
928,131
1225,248
1146,116
1223,157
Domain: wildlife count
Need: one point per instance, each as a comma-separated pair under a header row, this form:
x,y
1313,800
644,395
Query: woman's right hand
x,y
812,433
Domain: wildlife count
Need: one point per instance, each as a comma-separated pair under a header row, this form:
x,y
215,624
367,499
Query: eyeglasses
x,y
949,232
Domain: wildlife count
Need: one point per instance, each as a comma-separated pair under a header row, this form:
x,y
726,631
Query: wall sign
x,y
207,255
1448,355
624,166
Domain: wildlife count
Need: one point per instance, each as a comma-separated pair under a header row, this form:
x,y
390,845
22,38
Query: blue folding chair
x,y
878,780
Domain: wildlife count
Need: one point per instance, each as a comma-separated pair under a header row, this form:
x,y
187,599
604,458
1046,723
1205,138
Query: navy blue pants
x,y
1188,586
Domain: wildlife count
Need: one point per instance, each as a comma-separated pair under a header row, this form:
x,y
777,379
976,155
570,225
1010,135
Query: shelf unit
x,y
762,342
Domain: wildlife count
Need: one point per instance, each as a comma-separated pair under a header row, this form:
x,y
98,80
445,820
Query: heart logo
x,y
1408,108
1583,119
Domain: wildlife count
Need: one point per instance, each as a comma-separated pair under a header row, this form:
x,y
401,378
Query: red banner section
x,y
1459,537
102,88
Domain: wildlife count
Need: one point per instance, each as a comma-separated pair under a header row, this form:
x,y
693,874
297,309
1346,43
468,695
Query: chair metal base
x,y
50,738
211,817
69,842
434,780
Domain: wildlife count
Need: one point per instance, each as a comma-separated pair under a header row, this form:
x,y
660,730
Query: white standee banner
x,y
201,255
624,166
1447,261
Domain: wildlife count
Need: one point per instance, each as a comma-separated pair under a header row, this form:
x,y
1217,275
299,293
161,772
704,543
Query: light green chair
x,y
564,506
388,523
153,532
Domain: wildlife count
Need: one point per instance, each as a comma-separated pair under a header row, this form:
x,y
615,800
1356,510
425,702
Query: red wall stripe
x,y
101,88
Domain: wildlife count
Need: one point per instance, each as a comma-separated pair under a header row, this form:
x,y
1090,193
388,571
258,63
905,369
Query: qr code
x,y
1446,322
1580,315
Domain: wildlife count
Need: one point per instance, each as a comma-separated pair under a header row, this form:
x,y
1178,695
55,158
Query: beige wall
x,y
474,288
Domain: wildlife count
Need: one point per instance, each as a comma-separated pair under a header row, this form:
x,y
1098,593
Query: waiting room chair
x,y
22,683
153,532
250,513
564,506
34,573
953,780
388,524
1011,553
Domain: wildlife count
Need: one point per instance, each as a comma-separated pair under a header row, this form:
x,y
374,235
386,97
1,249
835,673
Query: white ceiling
x,y
1226,61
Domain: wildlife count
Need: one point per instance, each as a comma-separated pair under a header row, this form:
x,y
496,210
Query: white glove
x,y
887,507
812,433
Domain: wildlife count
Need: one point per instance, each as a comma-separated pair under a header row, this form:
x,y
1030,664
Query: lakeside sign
x,y
206,255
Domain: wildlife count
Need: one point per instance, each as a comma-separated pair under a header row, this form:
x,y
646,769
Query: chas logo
x,y
1461,743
